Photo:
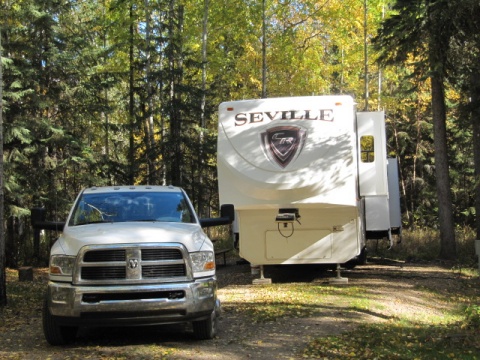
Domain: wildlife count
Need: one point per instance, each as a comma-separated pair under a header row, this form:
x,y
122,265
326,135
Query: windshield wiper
x,y
94,222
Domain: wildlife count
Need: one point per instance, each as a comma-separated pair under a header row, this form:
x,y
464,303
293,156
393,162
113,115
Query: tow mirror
x,y
228,211
227,216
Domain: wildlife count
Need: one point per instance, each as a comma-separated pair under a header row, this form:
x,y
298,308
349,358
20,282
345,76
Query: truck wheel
x,y
206,329
54,333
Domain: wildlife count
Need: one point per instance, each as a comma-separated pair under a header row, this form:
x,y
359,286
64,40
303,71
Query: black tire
x,y
362,258
54,333
205,329
358,260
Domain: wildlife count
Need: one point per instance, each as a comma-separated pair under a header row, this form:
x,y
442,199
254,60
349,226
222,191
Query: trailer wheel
x,y
361,259
54,333
206,329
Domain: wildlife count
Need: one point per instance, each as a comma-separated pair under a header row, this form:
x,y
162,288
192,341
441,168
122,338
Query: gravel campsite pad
x,y
257,321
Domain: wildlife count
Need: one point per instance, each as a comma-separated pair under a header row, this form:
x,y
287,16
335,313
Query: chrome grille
x,y
127,264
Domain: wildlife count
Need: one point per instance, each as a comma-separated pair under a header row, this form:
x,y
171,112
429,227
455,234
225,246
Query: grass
x,y
451,334
454,335
269,303
397,341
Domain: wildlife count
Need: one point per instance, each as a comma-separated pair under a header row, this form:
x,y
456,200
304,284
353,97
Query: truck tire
x,y
54,333
205,329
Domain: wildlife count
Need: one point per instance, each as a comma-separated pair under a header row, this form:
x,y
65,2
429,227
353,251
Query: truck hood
x,y
75,237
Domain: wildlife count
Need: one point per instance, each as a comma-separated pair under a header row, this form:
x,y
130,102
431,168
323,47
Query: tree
x,y
116,91
465,74
421,29
3,284
439,34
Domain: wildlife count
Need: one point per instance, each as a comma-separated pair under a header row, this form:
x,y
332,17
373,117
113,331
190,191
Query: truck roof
x,y
131,188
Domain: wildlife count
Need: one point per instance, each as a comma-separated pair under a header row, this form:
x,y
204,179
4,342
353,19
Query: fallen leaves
x,y
395,341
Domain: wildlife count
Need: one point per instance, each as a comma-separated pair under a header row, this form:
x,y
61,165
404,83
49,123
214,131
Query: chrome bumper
x,y
132,304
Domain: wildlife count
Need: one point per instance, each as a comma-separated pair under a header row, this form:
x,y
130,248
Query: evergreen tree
x,y
421,27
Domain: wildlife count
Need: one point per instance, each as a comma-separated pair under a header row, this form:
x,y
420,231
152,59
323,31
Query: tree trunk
x,y
438,47
445,214
3,281
131,108
150,130
201,201
176,71
264,51
475,117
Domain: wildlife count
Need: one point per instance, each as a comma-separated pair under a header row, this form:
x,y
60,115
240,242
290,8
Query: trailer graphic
x,y
283,143
309,178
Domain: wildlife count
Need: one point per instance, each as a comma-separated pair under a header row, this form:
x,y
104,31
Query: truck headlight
x,y
203,261
62,264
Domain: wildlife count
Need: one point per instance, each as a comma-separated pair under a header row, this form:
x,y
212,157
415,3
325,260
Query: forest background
x,y
110,92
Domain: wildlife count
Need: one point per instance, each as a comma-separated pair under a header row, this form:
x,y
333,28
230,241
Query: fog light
x,y
59,295
205,290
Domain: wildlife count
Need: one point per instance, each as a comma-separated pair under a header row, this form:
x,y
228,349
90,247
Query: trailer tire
x,y
54,333
361,259
206,329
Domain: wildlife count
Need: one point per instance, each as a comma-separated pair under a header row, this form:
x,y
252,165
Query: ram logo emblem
x,y
132,263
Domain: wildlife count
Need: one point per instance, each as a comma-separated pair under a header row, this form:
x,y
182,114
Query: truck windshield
x,y
135,206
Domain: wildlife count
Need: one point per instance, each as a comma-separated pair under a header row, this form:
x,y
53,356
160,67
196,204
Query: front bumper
x,y
132,304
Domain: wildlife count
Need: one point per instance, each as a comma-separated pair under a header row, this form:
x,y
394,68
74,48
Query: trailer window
x,y
367,149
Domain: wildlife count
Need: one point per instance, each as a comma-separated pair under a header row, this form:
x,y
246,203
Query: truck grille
x,y
104,255
132,264
104,273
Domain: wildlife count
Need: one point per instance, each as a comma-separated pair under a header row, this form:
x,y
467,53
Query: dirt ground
x,y
395,284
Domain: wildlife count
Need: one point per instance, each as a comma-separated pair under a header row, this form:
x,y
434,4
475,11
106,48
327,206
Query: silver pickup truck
x,y
131,255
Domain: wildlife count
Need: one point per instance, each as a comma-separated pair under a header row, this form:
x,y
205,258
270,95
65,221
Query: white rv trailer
x,y
308,178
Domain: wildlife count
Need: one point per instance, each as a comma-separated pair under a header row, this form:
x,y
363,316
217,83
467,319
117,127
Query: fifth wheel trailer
x,y
309,178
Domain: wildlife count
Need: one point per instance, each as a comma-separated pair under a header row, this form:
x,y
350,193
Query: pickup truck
x,y
128,256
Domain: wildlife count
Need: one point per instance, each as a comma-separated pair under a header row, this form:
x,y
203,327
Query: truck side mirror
x,y
227,215
228,211
37,218
37,215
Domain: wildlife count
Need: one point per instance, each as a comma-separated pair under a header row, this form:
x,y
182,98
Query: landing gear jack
x,y
338,279
262,280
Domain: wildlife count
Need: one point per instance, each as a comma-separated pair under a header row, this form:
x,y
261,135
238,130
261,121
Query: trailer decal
x,y
258,117
282,144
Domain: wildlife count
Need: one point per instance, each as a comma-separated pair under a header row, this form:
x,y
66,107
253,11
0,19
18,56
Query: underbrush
x,y
424,245
24,299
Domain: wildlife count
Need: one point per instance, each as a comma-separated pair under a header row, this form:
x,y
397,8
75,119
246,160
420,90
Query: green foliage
x,y
101,93
472,317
